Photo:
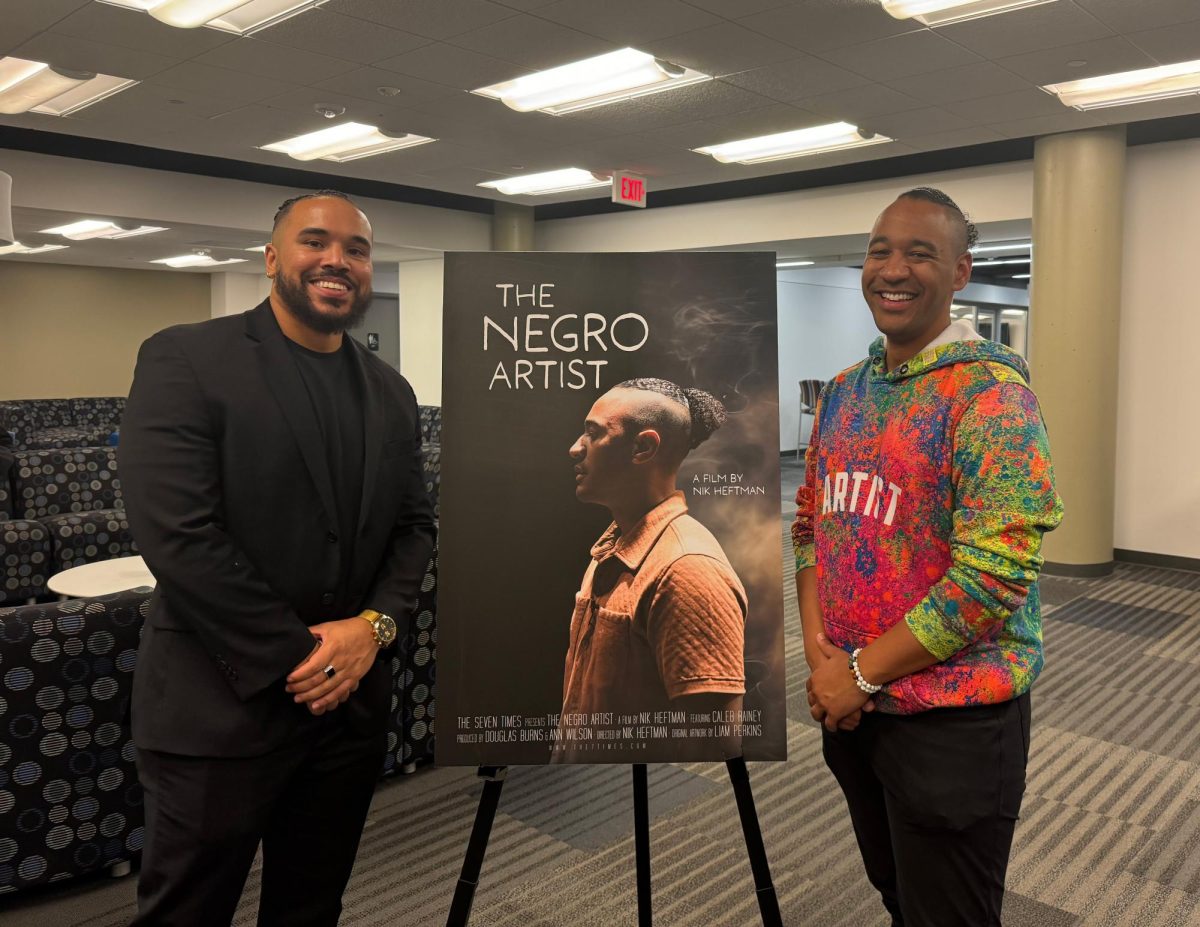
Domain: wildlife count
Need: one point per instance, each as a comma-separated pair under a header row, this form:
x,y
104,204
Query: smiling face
x,y
320,258
916,261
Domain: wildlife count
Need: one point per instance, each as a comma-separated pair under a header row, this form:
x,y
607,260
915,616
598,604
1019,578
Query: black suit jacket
x,y
229,497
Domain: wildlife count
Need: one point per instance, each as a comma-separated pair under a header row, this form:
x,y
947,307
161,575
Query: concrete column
x,y
1075,301
512,227
233,293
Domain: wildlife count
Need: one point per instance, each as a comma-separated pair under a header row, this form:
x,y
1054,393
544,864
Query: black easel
x,y
739,776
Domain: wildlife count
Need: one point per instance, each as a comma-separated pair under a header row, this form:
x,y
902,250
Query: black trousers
x,y
205,817
934,799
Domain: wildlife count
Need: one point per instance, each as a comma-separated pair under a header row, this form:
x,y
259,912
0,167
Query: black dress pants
x,y
934,799
205,817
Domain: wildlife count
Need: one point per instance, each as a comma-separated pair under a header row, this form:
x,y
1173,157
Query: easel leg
x,y
641,842
768,903
468,881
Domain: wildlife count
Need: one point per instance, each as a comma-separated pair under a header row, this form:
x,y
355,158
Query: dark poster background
x,y
514,541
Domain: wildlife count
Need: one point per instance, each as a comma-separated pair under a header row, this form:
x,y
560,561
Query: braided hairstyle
x,y
934,195
286,206
704,412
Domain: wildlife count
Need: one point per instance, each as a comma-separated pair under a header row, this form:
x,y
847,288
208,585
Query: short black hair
x,y
286,206
705,412
934,195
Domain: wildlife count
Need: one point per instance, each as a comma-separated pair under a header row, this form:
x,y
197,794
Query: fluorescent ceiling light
x,y
17,248
238,16
569,178
995,263
1020,276
781,264
1141,86
1015,246
34,86
196,260
345,142
833,137
99,228
943,12
619,75
261,249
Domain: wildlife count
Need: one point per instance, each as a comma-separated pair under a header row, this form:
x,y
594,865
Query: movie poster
x,y
610,575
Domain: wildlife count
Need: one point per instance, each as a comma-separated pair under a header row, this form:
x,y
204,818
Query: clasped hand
x,y
834,698
349,647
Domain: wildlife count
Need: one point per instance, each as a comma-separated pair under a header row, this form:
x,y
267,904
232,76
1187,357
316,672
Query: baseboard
x,y
1078,570
1169,561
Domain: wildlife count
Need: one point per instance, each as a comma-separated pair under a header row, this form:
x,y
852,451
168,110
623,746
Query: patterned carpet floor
x,y
1109,833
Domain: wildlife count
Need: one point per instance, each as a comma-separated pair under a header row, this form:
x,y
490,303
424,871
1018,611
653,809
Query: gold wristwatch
x,y
382,626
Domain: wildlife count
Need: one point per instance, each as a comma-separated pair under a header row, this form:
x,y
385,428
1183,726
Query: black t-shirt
x,y
337,405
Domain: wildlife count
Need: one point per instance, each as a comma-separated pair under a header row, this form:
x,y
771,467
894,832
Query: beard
x,y
295,298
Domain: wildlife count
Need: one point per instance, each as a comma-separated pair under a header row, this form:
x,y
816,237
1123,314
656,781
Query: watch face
x,y
385,630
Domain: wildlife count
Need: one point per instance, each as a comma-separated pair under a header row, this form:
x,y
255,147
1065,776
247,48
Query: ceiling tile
x,y
114,25
82,55
1162,109
257,125
768,120
301,101
23,21
151,97
632,153
1125,16
525,6
711,98
533,43
436,19
684,135
1104,56
821,25
885,60
340,36
859,103
915,123
219,83
1015,33
725,48
1068,121
1170,44
959,138
365,83
732,9
964,83
628,22
627,116
804,76
263,59
1007,107
452,66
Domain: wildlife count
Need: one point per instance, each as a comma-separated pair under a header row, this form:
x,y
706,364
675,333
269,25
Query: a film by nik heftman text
x,y
610,575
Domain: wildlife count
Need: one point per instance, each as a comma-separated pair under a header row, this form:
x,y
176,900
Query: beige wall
x,y
75,331
421,328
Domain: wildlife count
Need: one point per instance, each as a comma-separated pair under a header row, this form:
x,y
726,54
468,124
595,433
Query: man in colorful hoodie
x,y
917,541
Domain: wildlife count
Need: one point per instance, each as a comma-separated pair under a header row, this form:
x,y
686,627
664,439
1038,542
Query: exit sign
x,y
629,189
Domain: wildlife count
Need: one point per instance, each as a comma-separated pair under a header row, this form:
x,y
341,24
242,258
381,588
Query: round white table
x,y
107,576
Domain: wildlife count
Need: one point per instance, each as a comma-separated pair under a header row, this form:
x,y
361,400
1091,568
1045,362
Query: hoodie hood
x,y
943,355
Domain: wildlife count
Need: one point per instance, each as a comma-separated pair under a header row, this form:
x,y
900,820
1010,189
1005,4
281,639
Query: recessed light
x,y
34,86
241,17
196,260
598,81
1141,86
943,12
17,248
345,142
569,178
1015,246
101,228
779,265
836,136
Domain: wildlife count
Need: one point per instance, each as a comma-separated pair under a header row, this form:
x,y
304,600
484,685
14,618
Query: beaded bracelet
x,y
858,676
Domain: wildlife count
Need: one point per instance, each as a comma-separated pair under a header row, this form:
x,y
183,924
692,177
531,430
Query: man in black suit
x,y
272,473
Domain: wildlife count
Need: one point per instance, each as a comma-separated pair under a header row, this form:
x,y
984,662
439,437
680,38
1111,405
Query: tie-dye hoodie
x,y
927,491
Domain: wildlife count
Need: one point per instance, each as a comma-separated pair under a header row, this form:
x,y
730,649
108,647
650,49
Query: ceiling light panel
x,y
34,86
569,178
196,260
241,17
1015,246
781,264
816,140
346,142
99,228
1141,86
943,12
609,78
17,248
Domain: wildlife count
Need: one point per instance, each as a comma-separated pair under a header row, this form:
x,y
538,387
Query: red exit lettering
x,y
631,189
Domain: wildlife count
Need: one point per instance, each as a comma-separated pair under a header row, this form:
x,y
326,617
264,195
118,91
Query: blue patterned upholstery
x,y
87,537
431,424
58,482
70,802
25,564
411,726
431,464
66,436
98,412
41,423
